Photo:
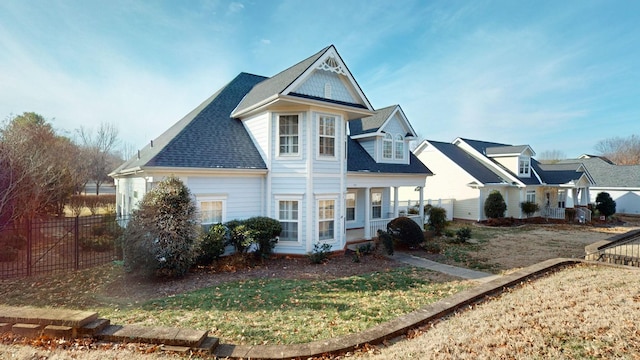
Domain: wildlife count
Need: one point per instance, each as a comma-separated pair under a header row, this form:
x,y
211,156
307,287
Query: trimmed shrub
x,y
494,206
212,244
264,232
529,208
406,231
431,247
437,219
605,204
320,253
162,236
239,236
387,241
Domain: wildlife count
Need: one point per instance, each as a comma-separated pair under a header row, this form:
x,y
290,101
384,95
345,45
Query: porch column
x,y
421,206
367,213
395,201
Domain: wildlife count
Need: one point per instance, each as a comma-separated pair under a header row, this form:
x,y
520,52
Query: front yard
x,y
292,301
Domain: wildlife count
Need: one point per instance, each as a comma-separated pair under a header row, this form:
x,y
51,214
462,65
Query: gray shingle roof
x,y
558,173
207,137
371,124
467,162
606,174
507,149
359,160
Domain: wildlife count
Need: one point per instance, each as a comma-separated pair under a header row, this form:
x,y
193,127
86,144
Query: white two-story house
x,y
304,146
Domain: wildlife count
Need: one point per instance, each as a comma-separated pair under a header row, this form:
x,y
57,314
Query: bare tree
x,y
38,176
621,151
100,147
551,156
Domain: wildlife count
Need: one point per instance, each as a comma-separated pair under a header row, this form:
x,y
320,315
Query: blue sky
x,y
556,75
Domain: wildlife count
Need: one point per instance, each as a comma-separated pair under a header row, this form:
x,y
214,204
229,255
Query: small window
x,y
523,168
399,147
376,205
387,146
351,206
327,133
288,216
211,212
531,196
326,219
562,198
288,131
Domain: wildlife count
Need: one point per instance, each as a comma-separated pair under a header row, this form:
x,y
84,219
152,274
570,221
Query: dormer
x,y
385,135
516,159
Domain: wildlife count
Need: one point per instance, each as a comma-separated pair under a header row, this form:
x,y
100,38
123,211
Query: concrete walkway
x,y
417,261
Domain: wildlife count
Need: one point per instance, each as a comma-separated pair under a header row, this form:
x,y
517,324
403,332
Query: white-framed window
x,y
288,215
212,211
350,206
376,205
326,219
562,198
531,196
524,166
387,146
327,135
399,147
288,135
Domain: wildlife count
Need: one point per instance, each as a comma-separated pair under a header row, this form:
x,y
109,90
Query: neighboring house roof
x,y
560,173
359,160
207,137
486,148
468,163
606,174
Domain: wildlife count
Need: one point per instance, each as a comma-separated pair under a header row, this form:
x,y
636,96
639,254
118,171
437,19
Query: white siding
x,y
243,193
316,84
627,201
258,128
129,192
370,147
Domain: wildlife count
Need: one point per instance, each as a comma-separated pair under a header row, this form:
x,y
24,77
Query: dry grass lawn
x,y
586,312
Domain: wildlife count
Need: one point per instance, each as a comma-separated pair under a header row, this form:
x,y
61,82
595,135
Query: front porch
x,y
359,234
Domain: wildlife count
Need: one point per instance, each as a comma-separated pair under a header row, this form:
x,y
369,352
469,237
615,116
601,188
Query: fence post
x,y
29,247
76,244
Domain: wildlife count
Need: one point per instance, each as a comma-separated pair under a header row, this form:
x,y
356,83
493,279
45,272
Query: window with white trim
x,y
288,217
531,196
376,205
350,202
387,146
524,165
211,212
399,147
288,135
562,198
326,219
327,135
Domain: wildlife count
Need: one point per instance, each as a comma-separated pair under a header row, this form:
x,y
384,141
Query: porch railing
x,y
552,212
381,224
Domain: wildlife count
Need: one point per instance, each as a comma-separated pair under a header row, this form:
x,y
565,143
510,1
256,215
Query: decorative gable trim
x,y
330,61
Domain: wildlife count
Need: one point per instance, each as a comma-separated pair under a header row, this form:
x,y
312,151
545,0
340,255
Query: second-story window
x,y
387,146
523,167
327,135
399,147
288,135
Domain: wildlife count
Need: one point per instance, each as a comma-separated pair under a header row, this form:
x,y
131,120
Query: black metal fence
x,y
59,244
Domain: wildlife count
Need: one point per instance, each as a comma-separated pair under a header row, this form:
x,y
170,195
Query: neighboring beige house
x,y
468,170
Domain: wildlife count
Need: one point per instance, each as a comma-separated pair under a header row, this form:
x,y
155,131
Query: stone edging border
x,y
402,324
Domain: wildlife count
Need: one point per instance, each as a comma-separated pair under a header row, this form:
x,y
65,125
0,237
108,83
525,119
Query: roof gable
x,y
376,124
323,77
